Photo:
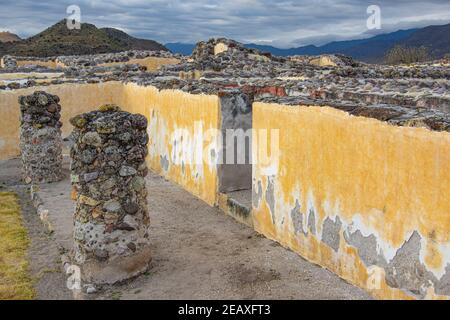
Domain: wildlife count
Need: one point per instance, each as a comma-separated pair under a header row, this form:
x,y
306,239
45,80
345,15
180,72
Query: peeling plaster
x,y
256,194
297,219
443,287
164,163
407,272
270,196
367,248
312,221
331,232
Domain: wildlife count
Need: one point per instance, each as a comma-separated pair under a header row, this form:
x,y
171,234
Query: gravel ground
x,y
198,253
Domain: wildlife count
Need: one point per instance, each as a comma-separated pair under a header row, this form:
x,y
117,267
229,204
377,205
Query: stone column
x,y
111,218
40,138
8,62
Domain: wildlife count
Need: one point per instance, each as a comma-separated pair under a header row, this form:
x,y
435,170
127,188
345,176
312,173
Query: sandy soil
x,y
200,253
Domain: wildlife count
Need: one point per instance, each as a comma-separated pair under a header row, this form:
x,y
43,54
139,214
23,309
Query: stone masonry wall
x,y
40,137
111,217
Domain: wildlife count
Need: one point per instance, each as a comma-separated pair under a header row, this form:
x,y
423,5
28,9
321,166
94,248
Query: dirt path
x,y
200,253
43,253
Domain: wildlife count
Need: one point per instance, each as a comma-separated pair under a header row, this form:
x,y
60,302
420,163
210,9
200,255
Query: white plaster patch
x,y
220,47
383,247
157,132
444,250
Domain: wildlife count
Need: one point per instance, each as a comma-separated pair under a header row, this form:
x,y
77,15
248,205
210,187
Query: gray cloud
x,y
282,23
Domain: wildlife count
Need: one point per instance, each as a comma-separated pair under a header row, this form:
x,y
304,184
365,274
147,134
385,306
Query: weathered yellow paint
x,y
152,63
392,180
190,75
171,110
21,75
49,64
220,47
168,110
323,61
75,99
53,64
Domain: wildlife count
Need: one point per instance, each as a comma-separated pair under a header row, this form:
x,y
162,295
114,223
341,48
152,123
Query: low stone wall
x,y
365,199
151,63
74,99
8,62
166,110
177,121
52,64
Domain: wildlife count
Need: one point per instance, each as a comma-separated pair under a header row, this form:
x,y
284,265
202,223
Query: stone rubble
x,y
40,137
125,56
111,218
415,91
9,62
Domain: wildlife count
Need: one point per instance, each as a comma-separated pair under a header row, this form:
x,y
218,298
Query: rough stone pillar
x,y
40,137
111,219
8,62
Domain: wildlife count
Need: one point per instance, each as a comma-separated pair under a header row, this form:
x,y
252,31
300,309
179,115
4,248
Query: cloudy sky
x,y
283,23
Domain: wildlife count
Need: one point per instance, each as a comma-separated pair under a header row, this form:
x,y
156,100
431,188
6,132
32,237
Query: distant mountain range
x,y
435,38
182,48
59,40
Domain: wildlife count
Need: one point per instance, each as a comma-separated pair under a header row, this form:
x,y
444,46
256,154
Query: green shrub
x,y
404,55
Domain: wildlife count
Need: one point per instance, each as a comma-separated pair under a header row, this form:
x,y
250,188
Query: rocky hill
x,y
131,42
435,38
59,40
9,37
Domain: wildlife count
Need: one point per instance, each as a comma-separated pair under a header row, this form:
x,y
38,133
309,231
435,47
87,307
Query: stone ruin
x,y
9,62
107,172
109,238
40,137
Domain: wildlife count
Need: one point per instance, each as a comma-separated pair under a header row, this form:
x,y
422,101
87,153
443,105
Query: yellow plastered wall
x,y
53,64
168,111
380,179
74,99
49,64
152,63
323,61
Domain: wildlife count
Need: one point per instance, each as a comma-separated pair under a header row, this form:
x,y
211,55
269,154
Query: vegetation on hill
x,y
9,37
404,55
59,40
126,40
